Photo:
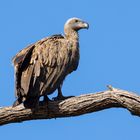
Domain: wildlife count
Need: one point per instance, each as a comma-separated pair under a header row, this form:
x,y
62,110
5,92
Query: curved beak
x,y
85,25
80,25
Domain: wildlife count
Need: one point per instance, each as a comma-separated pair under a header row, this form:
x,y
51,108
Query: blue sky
x,y
109,55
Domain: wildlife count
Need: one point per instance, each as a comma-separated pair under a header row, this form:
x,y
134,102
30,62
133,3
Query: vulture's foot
x,y
58,98
60,95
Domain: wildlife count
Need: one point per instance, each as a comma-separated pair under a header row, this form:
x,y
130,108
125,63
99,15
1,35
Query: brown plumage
x,y
41,68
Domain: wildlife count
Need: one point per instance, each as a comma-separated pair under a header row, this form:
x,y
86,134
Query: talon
x,y
60,95
58,98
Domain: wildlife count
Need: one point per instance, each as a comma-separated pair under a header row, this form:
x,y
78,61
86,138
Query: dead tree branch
x,y
74,106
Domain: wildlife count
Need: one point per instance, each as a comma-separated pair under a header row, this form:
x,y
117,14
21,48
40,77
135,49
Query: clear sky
x,y
109,55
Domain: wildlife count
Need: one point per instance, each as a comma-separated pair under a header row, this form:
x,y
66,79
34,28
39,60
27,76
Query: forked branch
x,y
74,106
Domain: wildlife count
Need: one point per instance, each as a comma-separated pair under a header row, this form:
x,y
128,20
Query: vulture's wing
x,y
22,55
20,61
47,65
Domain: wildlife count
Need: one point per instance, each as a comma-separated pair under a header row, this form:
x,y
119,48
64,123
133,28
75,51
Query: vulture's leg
x,y
31,102
60,95
45,100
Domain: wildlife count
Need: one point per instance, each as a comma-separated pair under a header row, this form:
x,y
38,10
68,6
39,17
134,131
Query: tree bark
x,y
74,106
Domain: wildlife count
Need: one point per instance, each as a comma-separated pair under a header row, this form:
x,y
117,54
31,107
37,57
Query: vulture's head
x,y
76,24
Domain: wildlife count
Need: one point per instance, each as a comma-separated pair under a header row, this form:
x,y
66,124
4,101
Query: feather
x,y
41,68
26,78
20,61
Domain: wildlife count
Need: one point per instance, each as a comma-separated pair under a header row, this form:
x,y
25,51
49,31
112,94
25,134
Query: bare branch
x,y
74,106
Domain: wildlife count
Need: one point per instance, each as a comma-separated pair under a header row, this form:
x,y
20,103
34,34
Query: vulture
x,y
41,68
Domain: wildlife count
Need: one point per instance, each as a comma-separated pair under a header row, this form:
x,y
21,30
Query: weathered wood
x,y
74,106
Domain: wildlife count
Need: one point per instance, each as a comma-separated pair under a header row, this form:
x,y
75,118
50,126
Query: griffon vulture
x,y
41,68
